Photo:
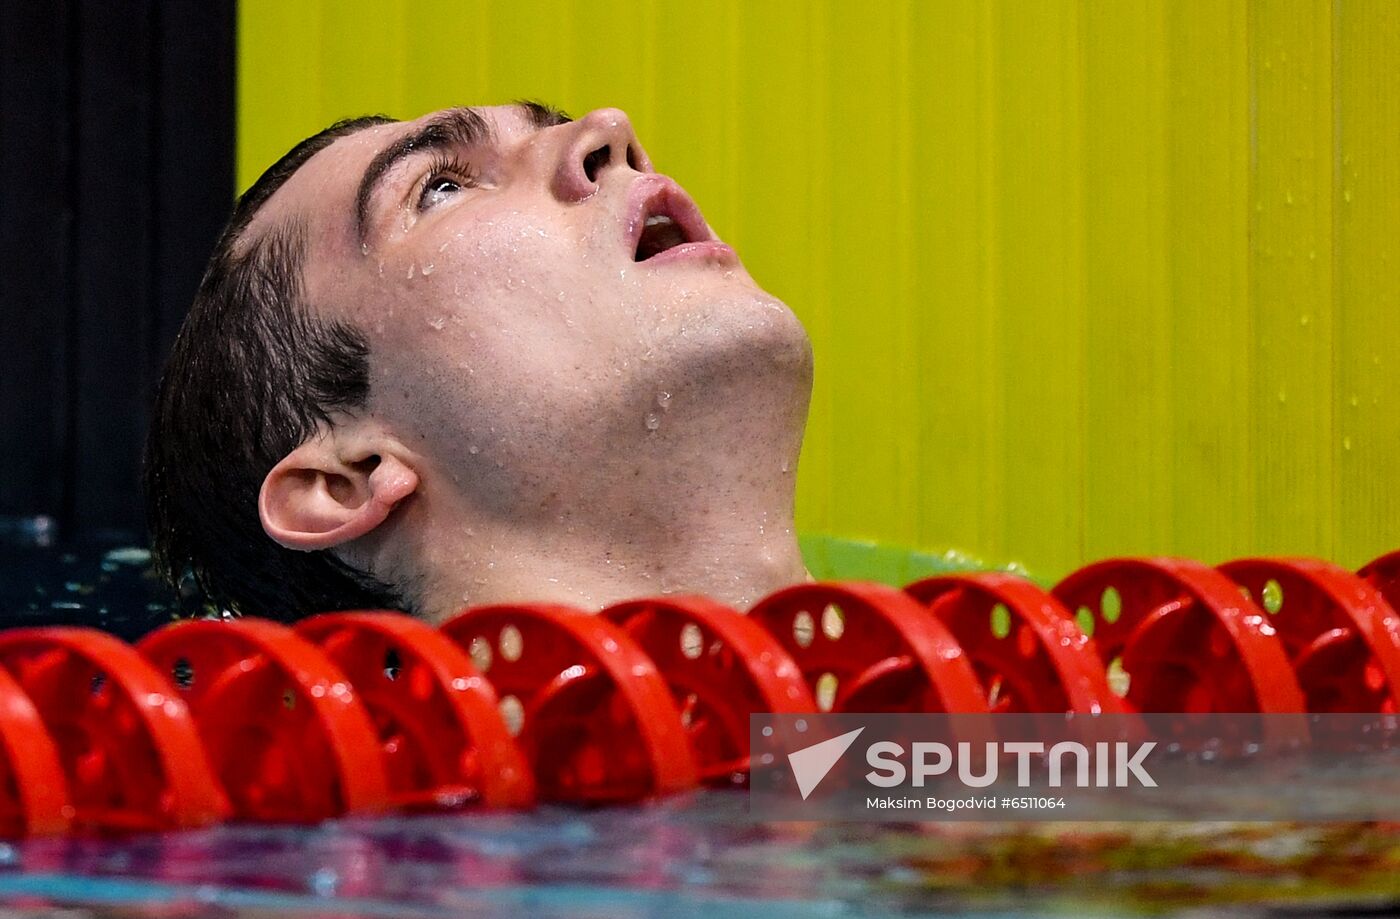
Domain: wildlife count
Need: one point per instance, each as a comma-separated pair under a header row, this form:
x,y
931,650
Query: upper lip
x,y
655,195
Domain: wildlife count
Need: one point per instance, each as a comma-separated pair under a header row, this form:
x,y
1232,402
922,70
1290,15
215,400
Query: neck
x,y
692,492
592,574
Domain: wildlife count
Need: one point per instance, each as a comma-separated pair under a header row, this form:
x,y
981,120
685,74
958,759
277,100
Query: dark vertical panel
x,y
34,224
113,233
116,172
194,154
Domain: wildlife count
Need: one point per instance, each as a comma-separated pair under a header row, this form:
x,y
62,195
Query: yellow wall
x,y
1084,277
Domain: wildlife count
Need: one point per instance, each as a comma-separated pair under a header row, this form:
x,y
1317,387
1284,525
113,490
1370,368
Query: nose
x,y
598,144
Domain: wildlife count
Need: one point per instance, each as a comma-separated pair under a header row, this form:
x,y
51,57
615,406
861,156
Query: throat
x,y
738,573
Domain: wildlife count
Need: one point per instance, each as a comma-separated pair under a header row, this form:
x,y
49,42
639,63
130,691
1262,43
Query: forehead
x,y
321,194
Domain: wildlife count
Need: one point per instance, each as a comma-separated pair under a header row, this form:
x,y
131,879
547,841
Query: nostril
x,y
595,161
632,158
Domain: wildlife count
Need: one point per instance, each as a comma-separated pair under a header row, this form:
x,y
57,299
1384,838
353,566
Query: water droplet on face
x,y
427,270
412,268
786,466
560,298
364,248
437,322
663,400
653,421
473,449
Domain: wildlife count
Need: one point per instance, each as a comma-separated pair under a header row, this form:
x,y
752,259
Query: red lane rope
x,y
1184,637
596,718
871,648
721,667
438,721
281,722
127,743
1025,647
33,790
367,711
1341,636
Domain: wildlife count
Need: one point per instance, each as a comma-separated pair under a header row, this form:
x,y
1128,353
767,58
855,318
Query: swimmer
x,y
490,355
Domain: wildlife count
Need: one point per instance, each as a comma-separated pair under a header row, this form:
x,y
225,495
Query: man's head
x,y
486,324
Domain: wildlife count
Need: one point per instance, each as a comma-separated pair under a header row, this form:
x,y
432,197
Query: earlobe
x,y
315,499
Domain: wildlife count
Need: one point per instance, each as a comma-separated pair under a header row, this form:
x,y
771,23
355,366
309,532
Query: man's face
x,y
533,292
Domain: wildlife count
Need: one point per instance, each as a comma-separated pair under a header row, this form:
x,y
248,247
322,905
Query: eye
x,y
442,181
437,189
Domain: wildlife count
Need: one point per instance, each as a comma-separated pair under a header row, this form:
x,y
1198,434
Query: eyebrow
x,y
455,127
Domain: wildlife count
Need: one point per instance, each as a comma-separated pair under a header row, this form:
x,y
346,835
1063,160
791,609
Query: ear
x,y
326,493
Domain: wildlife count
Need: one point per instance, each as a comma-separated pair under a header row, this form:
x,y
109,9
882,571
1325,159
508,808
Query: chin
x,y
749,327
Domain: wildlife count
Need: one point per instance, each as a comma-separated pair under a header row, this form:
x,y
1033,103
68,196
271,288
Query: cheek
x,y
504,310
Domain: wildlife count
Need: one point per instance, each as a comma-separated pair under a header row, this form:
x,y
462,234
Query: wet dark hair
x,y
252,375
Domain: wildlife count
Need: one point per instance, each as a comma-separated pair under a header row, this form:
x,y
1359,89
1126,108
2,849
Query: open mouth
x,y
658,234
663,219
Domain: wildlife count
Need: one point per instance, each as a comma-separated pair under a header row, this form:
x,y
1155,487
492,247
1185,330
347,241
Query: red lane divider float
x,y
1342,637
1384,575
871,648
721,667
128,746
1186,638
596,719
362,712
33,791
280,721
438,721
1027,650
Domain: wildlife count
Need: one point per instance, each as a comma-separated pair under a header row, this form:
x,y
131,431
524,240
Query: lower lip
x,y
712,250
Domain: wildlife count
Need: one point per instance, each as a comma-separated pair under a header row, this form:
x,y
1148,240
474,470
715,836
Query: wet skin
x,y
549,417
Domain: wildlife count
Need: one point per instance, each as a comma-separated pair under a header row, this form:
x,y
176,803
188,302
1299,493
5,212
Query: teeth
x,y
658,220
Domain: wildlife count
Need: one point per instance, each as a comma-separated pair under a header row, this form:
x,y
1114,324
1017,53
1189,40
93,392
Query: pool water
x,y
701,855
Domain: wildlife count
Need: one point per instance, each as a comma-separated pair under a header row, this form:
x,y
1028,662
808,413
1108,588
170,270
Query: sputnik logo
x,y
811,764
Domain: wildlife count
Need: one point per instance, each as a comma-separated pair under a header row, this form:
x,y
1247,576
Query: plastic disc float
x,y
278,718
33,791
1339,632
1026,649
127,743
1182,637
438,721
596,720
721,667
870,648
